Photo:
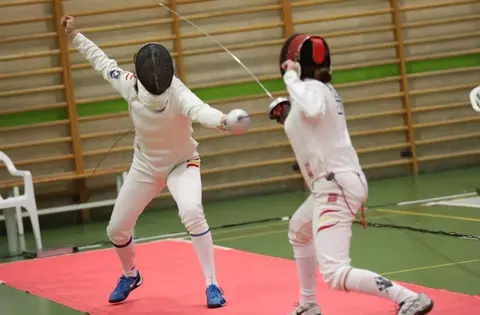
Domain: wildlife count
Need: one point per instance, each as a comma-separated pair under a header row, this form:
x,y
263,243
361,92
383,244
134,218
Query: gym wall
x,y
403,68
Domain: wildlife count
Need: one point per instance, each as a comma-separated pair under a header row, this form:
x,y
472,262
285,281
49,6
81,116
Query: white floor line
x,y
161,236
468,202
434,199
453,204
88,247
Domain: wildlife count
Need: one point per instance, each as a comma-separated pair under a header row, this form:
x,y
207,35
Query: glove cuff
x,y
222,125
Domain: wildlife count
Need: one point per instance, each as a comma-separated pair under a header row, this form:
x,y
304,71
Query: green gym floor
x,y
426,259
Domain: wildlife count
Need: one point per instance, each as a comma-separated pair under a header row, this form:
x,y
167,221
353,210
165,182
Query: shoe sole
x,y
303,312
427,310
216,305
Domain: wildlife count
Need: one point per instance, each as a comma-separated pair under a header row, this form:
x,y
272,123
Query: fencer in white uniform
x,y
165,154
321,229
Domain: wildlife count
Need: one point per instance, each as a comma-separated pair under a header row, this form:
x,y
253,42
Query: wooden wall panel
x,y
437,35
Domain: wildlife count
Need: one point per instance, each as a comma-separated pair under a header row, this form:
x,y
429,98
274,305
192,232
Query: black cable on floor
x,y
246,223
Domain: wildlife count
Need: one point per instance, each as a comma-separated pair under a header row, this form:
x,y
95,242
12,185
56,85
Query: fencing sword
x,y
267,92
223,47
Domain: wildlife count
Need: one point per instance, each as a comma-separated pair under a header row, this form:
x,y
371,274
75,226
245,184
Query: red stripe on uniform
x,y
194,165
326,227
327,211
332,198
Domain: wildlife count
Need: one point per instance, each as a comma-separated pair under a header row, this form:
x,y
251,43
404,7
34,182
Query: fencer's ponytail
x,y
323,74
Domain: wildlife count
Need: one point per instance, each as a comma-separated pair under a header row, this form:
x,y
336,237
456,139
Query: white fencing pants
x,y
136,193
332,207
336,204
185,185
325,219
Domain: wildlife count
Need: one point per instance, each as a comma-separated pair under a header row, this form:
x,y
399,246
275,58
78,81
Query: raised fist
x,y
68,22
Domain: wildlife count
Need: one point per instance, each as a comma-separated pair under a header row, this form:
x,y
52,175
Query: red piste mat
x,y
173,284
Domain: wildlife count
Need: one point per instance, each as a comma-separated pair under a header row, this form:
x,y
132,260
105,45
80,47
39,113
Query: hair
x,y
320,72
323,75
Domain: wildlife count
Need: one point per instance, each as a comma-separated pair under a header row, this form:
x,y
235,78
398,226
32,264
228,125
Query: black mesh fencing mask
x,y
154,68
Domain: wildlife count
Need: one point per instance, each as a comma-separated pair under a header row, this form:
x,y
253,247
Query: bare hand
x,y
290,65
68,22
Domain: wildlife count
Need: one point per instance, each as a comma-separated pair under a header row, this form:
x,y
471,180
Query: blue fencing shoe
x,y
214,297
124,286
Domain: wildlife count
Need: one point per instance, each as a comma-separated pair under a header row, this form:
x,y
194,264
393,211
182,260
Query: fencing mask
x,y
154,68
311,52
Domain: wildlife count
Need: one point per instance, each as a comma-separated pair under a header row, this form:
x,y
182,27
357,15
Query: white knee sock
x,y
126,253
368,282
203,245
306,269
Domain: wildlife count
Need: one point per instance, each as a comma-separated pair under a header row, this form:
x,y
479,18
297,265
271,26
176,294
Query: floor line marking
x,y
410,202
469,202
237,229
276,231
183,235
421,214
249,235
432,267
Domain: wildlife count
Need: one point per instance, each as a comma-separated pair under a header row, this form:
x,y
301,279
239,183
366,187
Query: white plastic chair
x,y
475,98
26,201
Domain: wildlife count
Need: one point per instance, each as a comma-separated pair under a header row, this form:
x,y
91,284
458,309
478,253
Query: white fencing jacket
x,y
317,129
163,123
